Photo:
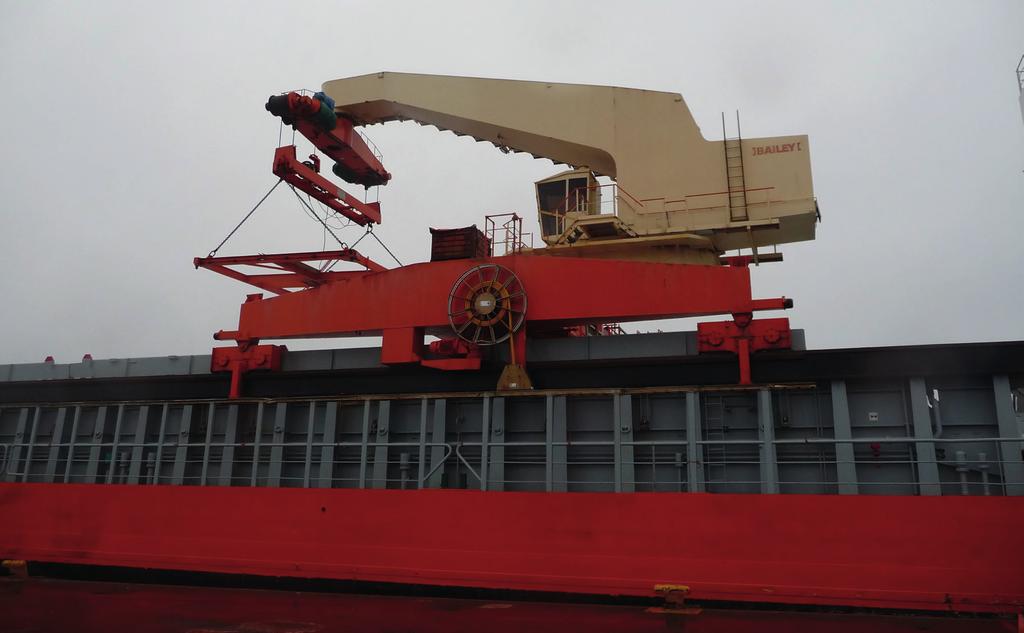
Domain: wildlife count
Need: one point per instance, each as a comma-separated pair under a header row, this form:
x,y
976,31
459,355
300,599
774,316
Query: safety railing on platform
x,y
875,438
599,199
691,212
161,464
505,234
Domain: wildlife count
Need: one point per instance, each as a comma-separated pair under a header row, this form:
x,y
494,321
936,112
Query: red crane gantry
x,y
467,303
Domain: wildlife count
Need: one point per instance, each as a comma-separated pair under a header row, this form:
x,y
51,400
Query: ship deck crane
x,y
657,234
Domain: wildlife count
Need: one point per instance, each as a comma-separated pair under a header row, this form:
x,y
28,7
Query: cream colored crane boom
x,y
675,189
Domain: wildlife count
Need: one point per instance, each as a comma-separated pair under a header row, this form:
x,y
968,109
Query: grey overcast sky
x,y
134,137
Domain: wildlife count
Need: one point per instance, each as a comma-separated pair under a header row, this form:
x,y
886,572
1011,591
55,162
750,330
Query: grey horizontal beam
x,y
590,348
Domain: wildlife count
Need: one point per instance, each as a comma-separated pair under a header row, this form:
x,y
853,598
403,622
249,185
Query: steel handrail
x,y
565,443
458,453
441,462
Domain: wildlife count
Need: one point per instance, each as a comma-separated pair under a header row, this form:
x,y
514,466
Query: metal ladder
x,y
714,430
735,179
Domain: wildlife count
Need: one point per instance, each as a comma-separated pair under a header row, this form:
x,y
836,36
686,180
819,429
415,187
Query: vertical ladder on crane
x,y
736,184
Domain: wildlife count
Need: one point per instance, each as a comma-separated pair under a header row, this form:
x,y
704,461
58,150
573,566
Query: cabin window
x,y
576,199
571,192
551,198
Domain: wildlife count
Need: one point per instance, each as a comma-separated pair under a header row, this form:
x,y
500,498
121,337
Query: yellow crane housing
x,y
675,195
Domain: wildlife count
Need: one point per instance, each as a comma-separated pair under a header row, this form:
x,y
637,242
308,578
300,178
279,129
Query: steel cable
x,y
370,231
320,220
247,215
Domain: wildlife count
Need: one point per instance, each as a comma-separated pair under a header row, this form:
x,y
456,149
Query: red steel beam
x,y
348,149
288,168
355,161
893,552
288,270
345,254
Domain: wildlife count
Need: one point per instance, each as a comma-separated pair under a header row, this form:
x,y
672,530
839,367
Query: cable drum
x,y
486,304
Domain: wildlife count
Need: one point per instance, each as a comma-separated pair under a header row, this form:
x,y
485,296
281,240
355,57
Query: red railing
x,y
505,232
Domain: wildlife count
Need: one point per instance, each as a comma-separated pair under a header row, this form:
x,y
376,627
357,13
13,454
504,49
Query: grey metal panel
x,y
670,344
846,467
56,439
558,451
327,450
328,359
38,371
658,345
14,459
422,472
71,444
380,453
257,440
135,466
112,368
667,344
364,448
167,365
98,430
694,463
616,444
437,437
485,436
112,466
798,340
356,358
164,411
625,469
311,360
227,460
713,432
308,466
132,367
766,434
210,418
496,456
108,368
276,448
549,443
567,349
1009,452
181,456
36,418
927,464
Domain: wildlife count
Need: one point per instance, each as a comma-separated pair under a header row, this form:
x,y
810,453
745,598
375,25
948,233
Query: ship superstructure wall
x,y
909,435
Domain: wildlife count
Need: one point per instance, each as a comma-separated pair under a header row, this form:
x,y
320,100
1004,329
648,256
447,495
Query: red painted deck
x,y
937,553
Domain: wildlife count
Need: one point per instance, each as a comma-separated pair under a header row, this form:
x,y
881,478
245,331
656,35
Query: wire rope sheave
x,y
487,304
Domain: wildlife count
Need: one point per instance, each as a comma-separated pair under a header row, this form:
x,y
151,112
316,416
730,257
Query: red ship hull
x,y
931,553
102,607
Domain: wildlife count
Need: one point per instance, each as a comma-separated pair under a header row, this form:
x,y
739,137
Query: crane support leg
x,y
244,358
742,336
